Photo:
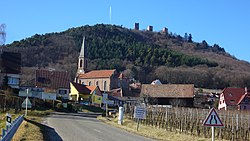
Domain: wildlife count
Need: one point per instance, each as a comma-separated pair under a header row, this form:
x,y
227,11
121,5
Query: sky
x,y
222,22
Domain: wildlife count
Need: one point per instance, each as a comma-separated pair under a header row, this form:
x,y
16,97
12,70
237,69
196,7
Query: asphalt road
x,y
85,127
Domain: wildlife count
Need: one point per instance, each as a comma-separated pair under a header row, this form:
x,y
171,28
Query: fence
x,y
9,132
8,102
189,121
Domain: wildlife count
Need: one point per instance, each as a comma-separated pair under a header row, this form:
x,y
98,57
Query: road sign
x,y
140,112
212,119
105,99
29,105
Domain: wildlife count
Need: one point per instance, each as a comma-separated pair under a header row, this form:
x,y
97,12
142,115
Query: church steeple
x,y
82,60
82,53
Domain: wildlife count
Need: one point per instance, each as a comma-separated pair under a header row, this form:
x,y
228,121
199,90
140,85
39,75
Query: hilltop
x,y
142,55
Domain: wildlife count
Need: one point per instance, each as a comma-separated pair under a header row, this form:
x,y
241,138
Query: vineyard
x,y
8,102
189,121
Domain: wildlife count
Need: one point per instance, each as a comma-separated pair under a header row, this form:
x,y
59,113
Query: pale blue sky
x,y
224,22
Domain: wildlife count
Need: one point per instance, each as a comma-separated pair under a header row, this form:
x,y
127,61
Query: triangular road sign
x,y
212,119
29,105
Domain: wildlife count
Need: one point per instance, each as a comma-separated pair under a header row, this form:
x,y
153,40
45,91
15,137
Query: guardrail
x,y
9,132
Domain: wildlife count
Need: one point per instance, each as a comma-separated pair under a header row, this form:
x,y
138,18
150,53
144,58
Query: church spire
x,y
82,60
82,53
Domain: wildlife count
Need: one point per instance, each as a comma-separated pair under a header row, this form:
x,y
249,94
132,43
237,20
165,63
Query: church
x,y
109,81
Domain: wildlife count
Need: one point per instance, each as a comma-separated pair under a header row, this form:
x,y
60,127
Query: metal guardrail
x,y
9,132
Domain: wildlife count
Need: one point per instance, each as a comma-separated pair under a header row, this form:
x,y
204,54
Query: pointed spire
x,y
83,48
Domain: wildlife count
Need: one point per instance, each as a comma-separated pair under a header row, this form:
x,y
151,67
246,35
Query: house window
x,y
62,92
96,83
12,80
89,83
223,101
104,86
220,102
232,101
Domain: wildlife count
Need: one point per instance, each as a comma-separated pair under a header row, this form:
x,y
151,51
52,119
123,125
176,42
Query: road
x,y
85,127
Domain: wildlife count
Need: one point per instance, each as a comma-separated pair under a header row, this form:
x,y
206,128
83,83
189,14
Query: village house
x,y
206,98
10,67
84,94
234,99
106,80
52,81
168,94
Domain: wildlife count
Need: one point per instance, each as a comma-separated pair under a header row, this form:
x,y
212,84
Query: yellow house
x,y
90,95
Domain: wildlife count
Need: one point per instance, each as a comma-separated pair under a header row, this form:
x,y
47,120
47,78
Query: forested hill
x,y
142,55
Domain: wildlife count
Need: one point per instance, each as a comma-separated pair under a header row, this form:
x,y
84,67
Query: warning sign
x,y
212,119
29,105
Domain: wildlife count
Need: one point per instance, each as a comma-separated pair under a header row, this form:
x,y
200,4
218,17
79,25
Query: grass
x,y
31,128
28,131
151,132
86,108
3,117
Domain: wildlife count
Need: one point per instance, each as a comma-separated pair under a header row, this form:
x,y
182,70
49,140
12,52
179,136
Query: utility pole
x,y
2,36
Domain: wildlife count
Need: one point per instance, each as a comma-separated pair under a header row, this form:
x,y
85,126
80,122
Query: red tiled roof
x,y
233,96
98,74
168,90
52,79
91,88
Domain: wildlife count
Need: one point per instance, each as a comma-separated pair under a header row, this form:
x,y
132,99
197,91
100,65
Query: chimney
x,y
246,90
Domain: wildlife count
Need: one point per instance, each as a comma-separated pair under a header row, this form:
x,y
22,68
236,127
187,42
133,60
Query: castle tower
x,y
82,60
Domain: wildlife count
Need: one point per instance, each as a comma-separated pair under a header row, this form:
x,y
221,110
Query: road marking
x,y
97,130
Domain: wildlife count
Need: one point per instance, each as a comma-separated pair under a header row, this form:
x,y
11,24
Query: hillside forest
x,y
139,54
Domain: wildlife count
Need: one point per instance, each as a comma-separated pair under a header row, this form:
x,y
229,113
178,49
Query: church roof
x,y
98,74
82,52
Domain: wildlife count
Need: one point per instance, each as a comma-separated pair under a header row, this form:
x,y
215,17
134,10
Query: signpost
x,y
106,101
212,120
139,113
